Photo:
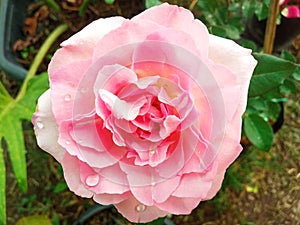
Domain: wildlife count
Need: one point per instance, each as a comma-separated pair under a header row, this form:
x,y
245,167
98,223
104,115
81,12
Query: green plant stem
x,y
40,56
53,5
271,27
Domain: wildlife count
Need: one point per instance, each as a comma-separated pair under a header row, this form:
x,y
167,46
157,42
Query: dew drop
x,y
40,124
68,142
140,208
92,180
67,98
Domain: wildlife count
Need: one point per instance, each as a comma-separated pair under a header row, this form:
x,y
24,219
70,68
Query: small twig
x,y
271,27
40,56
192,5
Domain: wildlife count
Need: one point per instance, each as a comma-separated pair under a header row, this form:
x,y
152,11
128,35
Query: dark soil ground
x,y
260,188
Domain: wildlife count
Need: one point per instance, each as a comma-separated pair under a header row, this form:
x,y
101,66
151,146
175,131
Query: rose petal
x,y
82,45
46,129
178,206
71,170
134,211
175,17
237,59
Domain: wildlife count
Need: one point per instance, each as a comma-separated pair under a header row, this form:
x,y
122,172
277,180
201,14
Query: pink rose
x,y
145,113
289,11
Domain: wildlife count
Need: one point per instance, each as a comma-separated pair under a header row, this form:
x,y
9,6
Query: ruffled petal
x,y
135,211
46,129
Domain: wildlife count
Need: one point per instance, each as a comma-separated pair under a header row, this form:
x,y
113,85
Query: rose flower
x,y
145,113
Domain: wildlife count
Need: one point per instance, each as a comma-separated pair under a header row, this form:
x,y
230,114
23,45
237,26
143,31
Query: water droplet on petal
x,y
67,98
68,142
40,124
92,180
140,208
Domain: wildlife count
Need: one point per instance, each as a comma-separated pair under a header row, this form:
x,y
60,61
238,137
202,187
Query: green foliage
x,y
151,3
83,7
221,18
109,1
2,188
259,131
159,221
13,112
272,80
34,220
269,74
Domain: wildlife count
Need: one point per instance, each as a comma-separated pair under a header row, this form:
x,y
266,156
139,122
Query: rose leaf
x,y
258,131
269,74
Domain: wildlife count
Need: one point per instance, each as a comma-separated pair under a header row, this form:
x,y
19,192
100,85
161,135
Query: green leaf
x,y
2,187
269,73
273,110
60,187
11,116
11,130
83,7
151,3
296,74
262,10
159,221
288,56
5,98
34,220
248,8
109,2
288,87
256,103
232,32
249,44
258,131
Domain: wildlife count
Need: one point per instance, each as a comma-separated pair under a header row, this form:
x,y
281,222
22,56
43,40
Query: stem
x,y
40,56
271,27
53,5
192,5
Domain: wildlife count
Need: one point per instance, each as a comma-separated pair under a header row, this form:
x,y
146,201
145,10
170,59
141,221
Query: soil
x,y
260,188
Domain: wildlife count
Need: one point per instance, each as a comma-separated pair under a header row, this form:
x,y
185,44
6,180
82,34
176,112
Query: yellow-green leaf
x,y
34,220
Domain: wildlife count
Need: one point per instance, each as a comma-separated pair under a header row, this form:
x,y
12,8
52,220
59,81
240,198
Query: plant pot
x,y
12,16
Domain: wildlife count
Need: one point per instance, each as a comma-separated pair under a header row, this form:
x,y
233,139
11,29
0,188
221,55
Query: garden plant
x,y
146,116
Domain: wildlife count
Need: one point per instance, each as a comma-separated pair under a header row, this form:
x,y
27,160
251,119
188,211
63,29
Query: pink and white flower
x,y
145,113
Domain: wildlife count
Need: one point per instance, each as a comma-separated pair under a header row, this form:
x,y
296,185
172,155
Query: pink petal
x,y
113,78
216,185
98,184
82,45
291,12
177,205
136,212
64,89
238,60
171,16
184,150
156,192
107,199
71,169
46,129
196,185
123,40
